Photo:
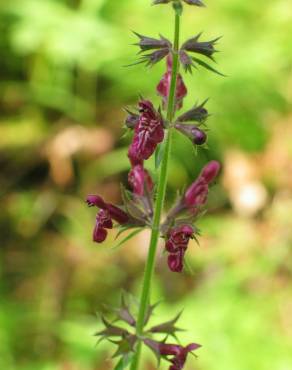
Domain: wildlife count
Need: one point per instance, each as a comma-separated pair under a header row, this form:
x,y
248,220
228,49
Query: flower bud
x,y
140,180
210,171
147,43
198,113
161,47
163,86
196,194
186,61
197,136
205,48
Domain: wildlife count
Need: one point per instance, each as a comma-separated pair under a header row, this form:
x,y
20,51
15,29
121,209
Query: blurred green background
x,y
62,88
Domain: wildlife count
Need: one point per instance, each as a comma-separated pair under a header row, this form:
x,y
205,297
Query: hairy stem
x,y
161,190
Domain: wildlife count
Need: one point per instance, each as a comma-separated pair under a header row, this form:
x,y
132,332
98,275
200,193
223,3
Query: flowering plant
x,y
143,203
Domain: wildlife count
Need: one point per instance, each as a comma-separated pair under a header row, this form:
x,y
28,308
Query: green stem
x,y
161,190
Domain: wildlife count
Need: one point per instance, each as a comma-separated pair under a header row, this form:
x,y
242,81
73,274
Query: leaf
x,y
132,206
149,312
159,155
124,313
188,266
125,345
128,237
167,327
124,362
207,66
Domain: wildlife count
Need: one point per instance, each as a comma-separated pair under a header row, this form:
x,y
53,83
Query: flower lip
x,y
95,200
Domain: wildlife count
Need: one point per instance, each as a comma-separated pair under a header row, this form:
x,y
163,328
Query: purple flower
x,y
140,180
95,200
107,213
114,212
103,222
180,353
196,194
147,135
164,86
176,244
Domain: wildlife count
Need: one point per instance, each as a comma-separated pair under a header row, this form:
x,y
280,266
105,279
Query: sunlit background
x,y
63,87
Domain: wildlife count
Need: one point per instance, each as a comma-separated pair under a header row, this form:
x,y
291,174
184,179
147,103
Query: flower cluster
x,y
179,226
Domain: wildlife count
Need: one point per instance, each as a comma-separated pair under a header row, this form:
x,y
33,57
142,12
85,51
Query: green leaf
x,y
207,66
124,362
128,237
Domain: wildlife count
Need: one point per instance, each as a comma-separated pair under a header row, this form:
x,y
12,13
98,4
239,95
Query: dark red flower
x,y
175,261
147,135
140,180
196,194
107,213
180,353
95,200
103,222
176,244
164,86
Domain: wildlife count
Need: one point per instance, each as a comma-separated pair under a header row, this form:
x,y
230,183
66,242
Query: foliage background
x,y
62,89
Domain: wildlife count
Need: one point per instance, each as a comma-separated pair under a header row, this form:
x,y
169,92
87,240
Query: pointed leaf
x,y
128,237
111,330
124,362
167,327
207,66
125,345
149,312
124,313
